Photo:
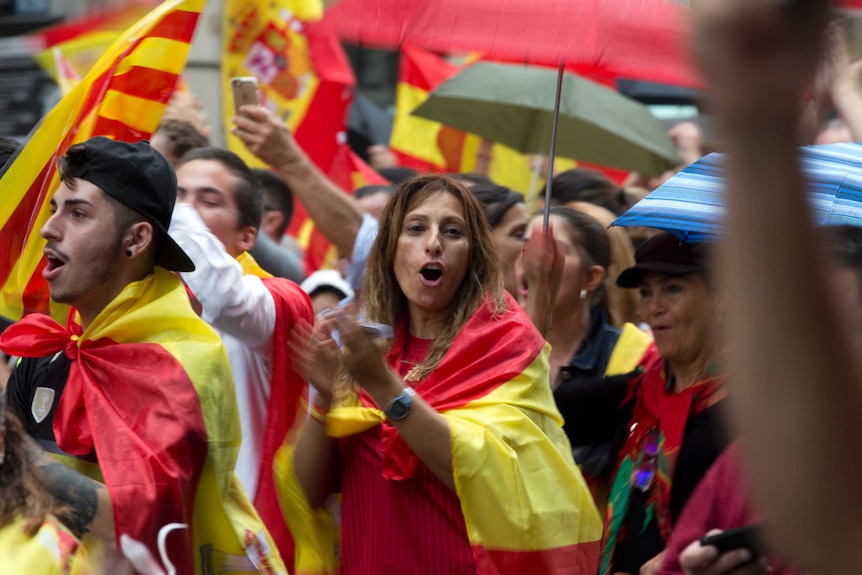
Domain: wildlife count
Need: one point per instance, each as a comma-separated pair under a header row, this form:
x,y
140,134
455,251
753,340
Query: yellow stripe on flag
x,y
170,54
411,134
117,106
500,453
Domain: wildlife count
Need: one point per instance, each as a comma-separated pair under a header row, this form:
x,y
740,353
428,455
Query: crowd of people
x,y
466,390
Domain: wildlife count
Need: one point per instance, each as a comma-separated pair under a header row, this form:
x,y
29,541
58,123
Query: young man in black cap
x,y
135,391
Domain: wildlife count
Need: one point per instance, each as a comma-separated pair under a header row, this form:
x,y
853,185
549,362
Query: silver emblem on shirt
x,y
42,401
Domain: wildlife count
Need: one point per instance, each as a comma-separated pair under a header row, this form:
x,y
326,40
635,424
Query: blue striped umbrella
x,y
690,205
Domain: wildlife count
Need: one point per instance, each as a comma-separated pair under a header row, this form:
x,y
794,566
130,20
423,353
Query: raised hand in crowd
x,y
542,260
336,214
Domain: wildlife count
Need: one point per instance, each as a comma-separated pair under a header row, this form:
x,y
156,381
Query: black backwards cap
x,y
141,179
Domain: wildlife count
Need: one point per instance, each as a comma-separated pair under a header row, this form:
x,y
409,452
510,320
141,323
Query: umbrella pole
x,y
553,153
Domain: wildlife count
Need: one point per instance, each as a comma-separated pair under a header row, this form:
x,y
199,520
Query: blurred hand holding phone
x,y
745,537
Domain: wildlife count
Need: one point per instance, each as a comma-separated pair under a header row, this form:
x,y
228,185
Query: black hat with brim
x,y
664,254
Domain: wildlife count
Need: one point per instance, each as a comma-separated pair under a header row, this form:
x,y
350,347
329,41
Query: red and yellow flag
x,y
122,97
168,468
509,454
82,42
429,146
304,76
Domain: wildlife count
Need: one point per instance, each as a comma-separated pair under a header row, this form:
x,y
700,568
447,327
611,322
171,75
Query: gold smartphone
x,y
245,92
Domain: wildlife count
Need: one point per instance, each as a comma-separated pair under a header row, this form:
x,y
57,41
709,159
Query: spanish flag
x,y
122,97
150,390
304,76
526,506
429,146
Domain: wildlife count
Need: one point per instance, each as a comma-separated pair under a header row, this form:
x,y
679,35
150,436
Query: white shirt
x,y
242,311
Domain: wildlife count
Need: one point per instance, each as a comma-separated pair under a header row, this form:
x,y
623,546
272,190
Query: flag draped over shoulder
x,y
305,78
122,97
286,388
170,465
526,506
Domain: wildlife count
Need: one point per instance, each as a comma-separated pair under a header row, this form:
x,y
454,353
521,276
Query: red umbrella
x,y
638,39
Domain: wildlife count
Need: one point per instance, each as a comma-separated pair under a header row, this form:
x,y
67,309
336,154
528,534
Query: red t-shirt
x,y
412,526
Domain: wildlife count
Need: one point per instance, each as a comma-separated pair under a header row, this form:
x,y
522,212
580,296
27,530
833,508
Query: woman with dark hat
x,y
663,422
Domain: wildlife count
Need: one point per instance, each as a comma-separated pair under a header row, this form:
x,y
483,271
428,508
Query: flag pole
x,y
553,152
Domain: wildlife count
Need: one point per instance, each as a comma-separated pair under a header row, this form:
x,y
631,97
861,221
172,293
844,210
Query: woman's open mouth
x,y
431,275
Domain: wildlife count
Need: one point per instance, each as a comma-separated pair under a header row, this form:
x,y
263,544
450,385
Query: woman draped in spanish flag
x,y
444,441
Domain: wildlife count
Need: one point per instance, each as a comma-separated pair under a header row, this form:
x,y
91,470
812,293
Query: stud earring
x,y
128,253
584,293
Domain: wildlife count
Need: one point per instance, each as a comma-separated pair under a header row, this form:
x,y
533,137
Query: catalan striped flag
x,y
168,468
526,506
122,97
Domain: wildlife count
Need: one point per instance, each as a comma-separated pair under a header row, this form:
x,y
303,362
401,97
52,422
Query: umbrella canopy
x,y
638,39
691,204
514,105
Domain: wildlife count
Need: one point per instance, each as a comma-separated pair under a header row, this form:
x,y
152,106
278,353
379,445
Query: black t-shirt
x,y
32,394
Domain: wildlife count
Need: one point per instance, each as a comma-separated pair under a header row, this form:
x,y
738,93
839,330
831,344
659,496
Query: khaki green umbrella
x,y
514,105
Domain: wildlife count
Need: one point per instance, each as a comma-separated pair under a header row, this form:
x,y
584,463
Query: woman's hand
x,y
315,355
651,567
364,356
542,260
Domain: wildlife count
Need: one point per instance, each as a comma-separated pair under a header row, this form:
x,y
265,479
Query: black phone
x,y
747,537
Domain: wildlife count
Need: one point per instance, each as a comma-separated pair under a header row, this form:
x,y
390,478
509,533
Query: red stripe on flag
x,y
578,558
36,298
178,25
146,83
327,56
16,230
405,160
119,131
424,70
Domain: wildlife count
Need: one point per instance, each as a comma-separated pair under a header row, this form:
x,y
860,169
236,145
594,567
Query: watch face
x,y
400,406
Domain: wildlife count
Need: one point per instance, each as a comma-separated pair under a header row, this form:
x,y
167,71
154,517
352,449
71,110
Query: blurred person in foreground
x,y
797,378
663,422
444,441
132,400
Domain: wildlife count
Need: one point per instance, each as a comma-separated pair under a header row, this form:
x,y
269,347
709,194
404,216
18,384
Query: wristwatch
x,y
399,407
